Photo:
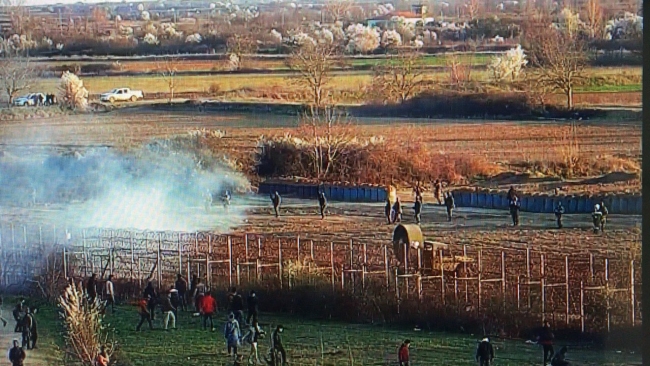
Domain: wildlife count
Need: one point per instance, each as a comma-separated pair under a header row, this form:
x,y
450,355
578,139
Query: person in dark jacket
x,y
236,305
168,310
450,204
511,193
225,199
560,358
322,204
397,211
152,296
597,218
604,211
181,287
515,205
403,353
191,293
484,352
18,314
30,330
546,338
388,210
417,191
277,346
252,337
251,303
559,211
91,287
276,200
17,355
175,299
417,207
145,315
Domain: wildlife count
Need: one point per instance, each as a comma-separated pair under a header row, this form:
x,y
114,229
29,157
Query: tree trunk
x,y
569,97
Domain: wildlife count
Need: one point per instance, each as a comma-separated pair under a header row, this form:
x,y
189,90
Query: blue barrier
x,y
549,204
627,202
489,201
638,205
481,198
374,194
473,199
382,194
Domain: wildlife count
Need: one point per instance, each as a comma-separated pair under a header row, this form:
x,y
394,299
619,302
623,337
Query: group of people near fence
x,y
485,355
196,298
25,325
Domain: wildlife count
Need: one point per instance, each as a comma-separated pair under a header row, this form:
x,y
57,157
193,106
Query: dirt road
x,y
36,357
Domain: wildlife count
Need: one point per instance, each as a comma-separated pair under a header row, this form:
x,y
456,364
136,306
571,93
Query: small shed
x,y
410,236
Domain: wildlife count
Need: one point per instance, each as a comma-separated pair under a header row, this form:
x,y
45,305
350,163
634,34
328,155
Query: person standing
x,y
29,330
252,304
484,352
388,210
225,199
150,293
110,293
174,299
515,206
192,292
252,337
199,293
145,315
559,211
276,200
18,314
597,218
437,191
236,305
604,212
397,211
277,346
546,338
232,333
4,321
91,287
322,204
168,310
208,308
450,204
403,355
417,191
417,207
181,286
17,355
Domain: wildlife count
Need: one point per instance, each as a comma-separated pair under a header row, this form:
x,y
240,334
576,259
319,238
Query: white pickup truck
x,y
121,95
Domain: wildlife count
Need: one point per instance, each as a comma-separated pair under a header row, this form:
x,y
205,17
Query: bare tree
x,y
400,77
314,64
168,70
328,133
473,8
237,47
594,18
459,73
338,9
16,74
558,58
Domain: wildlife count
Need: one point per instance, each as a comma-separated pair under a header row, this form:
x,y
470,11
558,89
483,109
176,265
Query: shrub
x,y
73,94
214,89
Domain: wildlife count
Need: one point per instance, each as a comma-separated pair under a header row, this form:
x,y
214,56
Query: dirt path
x,y
39,357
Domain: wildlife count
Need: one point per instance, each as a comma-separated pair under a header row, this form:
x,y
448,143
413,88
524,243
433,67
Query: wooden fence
x,y
587,291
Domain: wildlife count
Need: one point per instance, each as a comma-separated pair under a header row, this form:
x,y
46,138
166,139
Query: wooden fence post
x,y
607,293
480,271
364,268
465,271
229,239
248,268
442,279
503,278
568,289
333,280
542,282
582,306
280,261
352,274
180,254
159,261
386,266
311,250
528,275
298,245
632,295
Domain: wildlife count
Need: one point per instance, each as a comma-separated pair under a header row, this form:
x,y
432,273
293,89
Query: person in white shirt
x,y
110,293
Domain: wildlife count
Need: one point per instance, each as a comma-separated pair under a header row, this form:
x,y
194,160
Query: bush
x,y
214,89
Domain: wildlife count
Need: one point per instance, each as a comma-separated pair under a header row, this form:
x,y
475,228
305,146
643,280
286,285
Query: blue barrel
x,y
347,194
538,204
590,202
382,194
489,200
626,205
638,205
374,194
465,199
572,206
501,202
616,204
582,205
367,194
549,204
313,192
473,199
481,199
357,194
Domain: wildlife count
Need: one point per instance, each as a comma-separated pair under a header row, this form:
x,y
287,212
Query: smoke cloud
x,y
157,187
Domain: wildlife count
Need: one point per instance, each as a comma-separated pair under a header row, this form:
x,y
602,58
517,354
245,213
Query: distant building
x,y
387,21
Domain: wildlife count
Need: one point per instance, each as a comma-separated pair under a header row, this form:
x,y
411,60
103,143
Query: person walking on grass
x,y
545,338
484,352
277,346
17,355
152,296
397,211
110,293
175,299
403,355
181,287
236,305
252,337
597,218
417,207
168,310
145,315
450,204
559,211
4,321
232,333
322,204
18,314
604,212
199,293
276,200
208,309
388,211
437,191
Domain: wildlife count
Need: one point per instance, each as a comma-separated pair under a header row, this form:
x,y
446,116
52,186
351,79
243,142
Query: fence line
x,y
560,287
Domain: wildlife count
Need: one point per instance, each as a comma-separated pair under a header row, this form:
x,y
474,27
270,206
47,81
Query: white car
x,y
121,95
30,99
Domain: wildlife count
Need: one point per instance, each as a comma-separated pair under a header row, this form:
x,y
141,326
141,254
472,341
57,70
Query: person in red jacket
x,y
208,307
403,353
145,315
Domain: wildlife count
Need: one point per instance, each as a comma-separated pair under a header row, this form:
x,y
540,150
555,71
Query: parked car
x,y
30,99
121,95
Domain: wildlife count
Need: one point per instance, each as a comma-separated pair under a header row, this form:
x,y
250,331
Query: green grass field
x,y
310,343
620,79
